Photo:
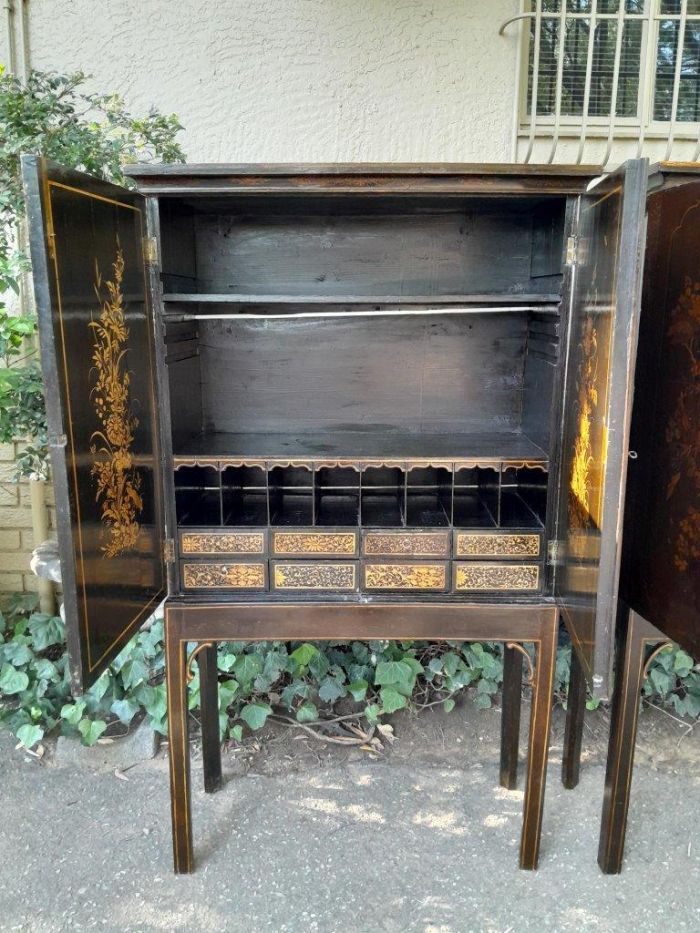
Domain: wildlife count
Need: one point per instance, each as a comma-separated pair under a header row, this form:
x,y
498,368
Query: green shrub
x,y
304,681
53,115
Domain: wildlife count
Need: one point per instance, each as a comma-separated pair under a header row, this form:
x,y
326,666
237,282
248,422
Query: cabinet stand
x,y
632,664
205,624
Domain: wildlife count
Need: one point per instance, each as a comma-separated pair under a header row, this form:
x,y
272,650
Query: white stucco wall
x,y
300,80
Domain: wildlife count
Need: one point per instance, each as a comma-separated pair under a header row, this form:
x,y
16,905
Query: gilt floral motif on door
x,y
116,478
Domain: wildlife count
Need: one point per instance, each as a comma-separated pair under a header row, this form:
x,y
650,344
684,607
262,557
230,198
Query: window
x,y
638,60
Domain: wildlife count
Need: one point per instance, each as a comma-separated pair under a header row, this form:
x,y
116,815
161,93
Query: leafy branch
x,y
55,116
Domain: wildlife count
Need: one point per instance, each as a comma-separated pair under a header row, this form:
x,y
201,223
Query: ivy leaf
x,y
392,699
134,672
227,691
73,712
91,730
237,732
682,663
247,668
307,712
392,672
303,655
12,681
46,630
255,714
372,713
482,701
29,734
45,670
448,705
124,710
358,689
331,689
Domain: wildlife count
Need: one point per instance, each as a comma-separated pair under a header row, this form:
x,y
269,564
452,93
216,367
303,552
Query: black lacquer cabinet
x,y
329,401
660,573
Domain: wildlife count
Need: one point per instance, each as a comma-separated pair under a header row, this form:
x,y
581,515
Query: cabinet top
x,y
357,177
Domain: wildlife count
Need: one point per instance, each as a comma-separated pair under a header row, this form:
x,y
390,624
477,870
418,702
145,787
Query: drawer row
x,y
349,543
370,576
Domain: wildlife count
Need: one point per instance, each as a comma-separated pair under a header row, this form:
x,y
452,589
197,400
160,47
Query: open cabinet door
x,y
96,336
604,309
661,550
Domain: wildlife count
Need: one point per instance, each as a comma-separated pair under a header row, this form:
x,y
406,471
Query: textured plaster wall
x,y
300,80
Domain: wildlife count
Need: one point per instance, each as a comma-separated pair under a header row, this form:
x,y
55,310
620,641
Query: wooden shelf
x,y
372,444
244,299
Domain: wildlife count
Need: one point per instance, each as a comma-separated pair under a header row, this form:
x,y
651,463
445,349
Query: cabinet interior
x,y
362,361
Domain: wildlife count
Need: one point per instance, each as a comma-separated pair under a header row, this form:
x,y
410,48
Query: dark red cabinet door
x,y
96,334
603,307
661,565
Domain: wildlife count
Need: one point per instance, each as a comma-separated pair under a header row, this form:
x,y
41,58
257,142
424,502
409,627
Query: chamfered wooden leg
x,y
573,731
629,676
510,716
179,749
540,716
209,709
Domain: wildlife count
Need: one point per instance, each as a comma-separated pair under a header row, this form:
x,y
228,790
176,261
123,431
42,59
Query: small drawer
x,y
317,576
417,576
314,543
503,544
233,575
472,577
406,544
235,541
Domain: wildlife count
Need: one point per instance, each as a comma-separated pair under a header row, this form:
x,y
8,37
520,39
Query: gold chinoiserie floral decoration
x,y
471,576
223,543
117,480
587,402
404,576
683,430
322,542
301,576
400,544
506,545
230,576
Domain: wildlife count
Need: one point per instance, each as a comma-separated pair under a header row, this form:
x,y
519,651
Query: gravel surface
x,y
421,840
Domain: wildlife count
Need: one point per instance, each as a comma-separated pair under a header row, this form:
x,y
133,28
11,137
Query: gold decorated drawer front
x,y
417,575
406,544
222,542
473,577
248,575
471,544
316,543
318,576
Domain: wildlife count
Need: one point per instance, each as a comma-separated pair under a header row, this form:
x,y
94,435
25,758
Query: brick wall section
x,y
16,538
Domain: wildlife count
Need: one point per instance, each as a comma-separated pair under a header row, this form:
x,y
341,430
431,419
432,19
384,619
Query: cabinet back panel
x,y
439,374
489,252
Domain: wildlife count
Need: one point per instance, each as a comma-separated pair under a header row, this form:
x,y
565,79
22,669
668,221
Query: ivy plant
x,y
56,116
301,684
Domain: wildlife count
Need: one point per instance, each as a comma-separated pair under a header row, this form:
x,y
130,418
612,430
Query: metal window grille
x,y
598,67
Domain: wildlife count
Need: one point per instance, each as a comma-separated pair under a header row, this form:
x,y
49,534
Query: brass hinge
x,y
168,550
555,552
150,249
571,250
51,237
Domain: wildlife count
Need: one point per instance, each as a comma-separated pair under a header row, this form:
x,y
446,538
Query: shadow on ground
x,y
312,839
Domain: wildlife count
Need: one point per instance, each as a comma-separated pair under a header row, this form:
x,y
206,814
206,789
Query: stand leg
x,y
629,676
179,749
510,717
539,741
209,708
573,731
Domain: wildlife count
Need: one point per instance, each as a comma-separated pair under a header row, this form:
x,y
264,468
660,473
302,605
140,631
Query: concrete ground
x,y
307,838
